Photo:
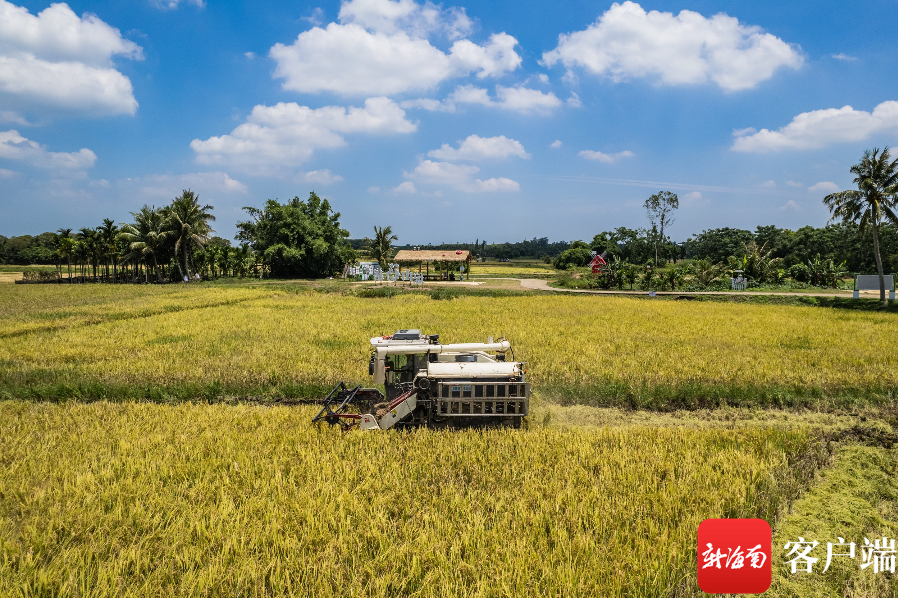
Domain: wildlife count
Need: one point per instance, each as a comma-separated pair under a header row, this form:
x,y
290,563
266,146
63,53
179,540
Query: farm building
x,y
446,262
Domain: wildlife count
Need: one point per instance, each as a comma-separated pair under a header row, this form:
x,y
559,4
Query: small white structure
x,y
737,282
366,269
872,283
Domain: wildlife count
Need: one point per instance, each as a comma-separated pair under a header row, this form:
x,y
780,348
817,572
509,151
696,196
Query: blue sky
x,y
491,120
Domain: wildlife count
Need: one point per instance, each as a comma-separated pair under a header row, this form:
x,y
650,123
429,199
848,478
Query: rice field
x,y
217,496
149,499
510,270
96,342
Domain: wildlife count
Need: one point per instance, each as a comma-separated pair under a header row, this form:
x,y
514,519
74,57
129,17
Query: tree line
x,y
304,239
536,248
175,243
864,240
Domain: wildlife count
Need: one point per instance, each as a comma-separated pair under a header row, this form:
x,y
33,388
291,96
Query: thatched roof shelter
x,y
415,256
426,257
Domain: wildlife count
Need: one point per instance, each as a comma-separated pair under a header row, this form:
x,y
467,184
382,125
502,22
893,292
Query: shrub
x,y
573,257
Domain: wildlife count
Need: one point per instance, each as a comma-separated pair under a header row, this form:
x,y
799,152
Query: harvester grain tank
x,y
427,383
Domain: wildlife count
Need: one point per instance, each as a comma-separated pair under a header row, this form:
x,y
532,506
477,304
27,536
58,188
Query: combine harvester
x,y
458,385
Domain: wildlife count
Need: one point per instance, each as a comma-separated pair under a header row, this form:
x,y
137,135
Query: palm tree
x,y
705,272
146,237
66,247
757,263
242,255
189,226
872,203
89,241
380,245
108,234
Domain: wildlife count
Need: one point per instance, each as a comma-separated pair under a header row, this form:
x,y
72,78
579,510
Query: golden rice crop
x,y
30,308
150,499
253,341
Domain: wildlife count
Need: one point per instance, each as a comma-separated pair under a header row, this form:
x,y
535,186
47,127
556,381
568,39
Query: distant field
x,y
13,272
510,270
20,268
98,341
154,500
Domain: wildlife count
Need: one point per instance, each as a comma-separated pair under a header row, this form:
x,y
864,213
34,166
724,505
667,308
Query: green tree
x,y
87,250
109,233
659,209
758,263
189,226
705,272
577,255
66,248
717,245
632,245
146,238
297,239
873,203
380,246
675,276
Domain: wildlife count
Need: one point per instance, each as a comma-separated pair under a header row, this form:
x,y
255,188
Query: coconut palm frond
x,y
873,203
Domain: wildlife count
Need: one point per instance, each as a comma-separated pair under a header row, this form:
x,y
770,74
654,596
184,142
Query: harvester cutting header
x,y
427,383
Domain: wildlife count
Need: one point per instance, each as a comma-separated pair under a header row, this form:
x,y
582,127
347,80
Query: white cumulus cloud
x,y
405,187
286,134
824,187
173,4
628,42
459,177
602,157
522,99
57,59
429,104
821,128
381,47
321,177
169,186
475,147
496,57
556,144
519,99
693,199
391,16
469,94
15,147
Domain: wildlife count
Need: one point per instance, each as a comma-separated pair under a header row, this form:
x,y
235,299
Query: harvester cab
x,y
427,383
